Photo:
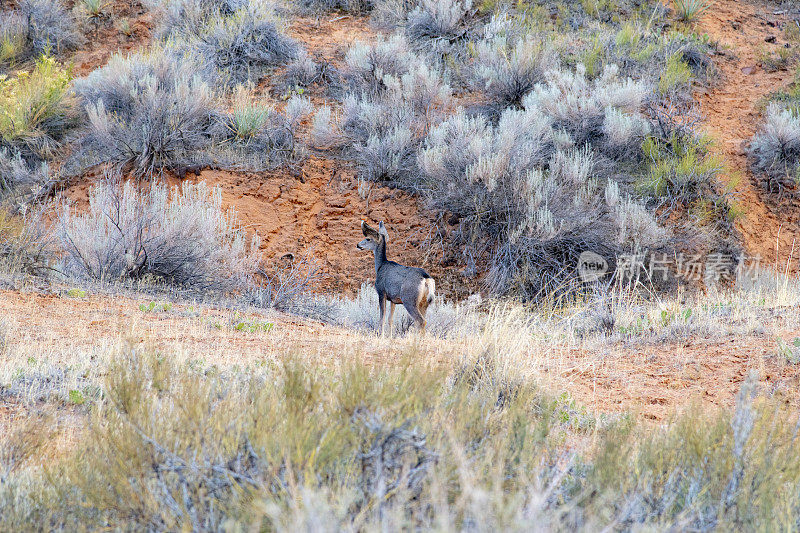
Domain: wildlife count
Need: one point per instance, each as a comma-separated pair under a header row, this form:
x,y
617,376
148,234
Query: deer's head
x,y
372,237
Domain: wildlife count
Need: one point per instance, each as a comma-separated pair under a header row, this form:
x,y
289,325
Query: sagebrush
x,y
181,237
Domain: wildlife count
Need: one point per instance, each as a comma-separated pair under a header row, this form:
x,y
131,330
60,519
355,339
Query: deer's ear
x,y
367,230
382,230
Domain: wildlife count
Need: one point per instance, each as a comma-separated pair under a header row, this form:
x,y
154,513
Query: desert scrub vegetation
x,y
531,189
775,148
35,28
230,43
670,59
690,10
38,109
358,7
392,100
18,178
254,135
506,70
747,469
26,245
181,237
146,112
150,111
455,445
558,177
189,15
615,106
436,28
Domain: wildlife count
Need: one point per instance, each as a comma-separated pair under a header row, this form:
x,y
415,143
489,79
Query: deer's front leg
x,y
382,309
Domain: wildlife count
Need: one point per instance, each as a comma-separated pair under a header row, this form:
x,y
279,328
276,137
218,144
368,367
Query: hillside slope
x,y
732,109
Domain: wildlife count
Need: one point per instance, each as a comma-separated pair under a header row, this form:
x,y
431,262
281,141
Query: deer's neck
x,y
380,254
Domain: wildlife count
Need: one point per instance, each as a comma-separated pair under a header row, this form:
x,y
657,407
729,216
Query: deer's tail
x,y
427,290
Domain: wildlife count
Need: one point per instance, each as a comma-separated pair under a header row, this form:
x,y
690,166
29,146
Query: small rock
x,y
747,71
771,39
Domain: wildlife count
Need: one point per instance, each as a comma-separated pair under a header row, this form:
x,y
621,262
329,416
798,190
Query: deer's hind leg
x,y
415,314
391,316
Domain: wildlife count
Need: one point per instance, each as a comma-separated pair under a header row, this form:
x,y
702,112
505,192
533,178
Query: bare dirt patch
x,y
108,39
733,111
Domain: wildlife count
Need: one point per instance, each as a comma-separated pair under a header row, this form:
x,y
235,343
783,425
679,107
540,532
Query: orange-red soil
x,y
733,114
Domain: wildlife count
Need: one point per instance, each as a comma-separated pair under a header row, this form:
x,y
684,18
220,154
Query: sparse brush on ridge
x,y
181,237
255,136
240,47
368,63
507,71
150,112
389,15
529,201
146,112
605,112
358,7
187,17
229,42
34,28
571,15
438,23
393,100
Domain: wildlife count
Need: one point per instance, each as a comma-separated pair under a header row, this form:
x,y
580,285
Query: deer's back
x,y
398,282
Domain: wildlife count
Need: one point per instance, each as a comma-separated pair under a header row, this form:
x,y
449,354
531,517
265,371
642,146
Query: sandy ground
x,y
649,379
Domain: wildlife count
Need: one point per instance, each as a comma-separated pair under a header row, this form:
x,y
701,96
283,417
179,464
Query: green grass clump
x,y
153,307
690,10
248,118
679,169
76,293
37,108
254,326
676,74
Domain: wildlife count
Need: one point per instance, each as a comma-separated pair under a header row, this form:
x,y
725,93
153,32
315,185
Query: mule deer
x,y
398,284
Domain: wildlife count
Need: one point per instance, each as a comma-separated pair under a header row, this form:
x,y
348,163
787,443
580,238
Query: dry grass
x,y
653,358
278,426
